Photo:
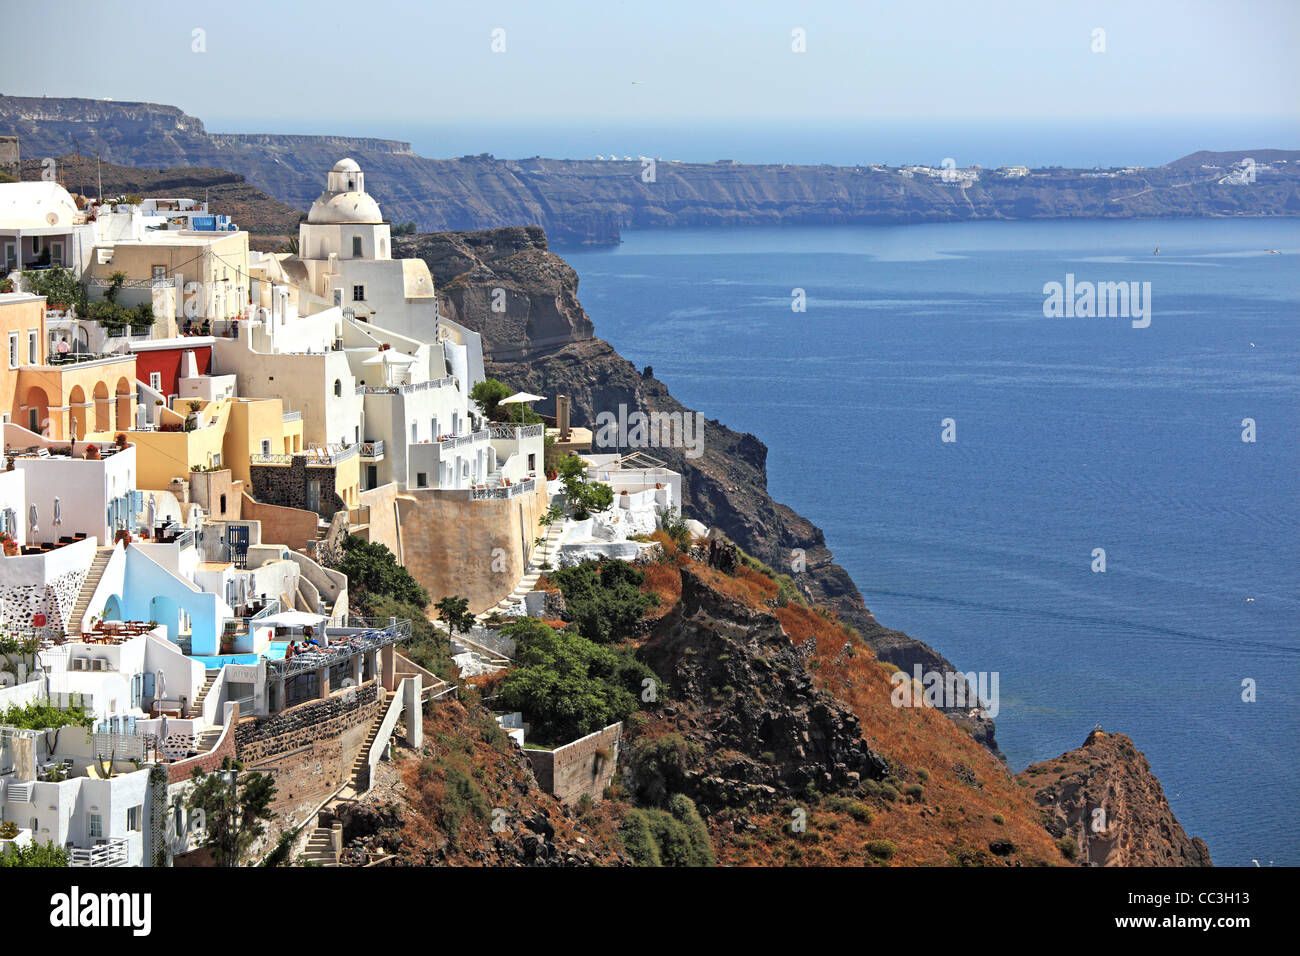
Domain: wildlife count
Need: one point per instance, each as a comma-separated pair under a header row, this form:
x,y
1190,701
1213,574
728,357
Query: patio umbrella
x,y
292,619
388,357
58,511
521,398
32,516
151,513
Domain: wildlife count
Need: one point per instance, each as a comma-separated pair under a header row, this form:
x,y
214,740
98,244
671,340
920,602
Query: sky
x,y
331,67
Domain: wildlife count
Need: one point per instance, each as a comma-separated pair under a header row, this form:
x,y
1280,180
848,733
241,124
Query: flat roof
x,y
179,342
8,297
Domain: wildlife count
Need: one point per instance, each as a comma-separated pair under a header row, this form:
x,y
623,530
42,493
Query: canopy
x,y
389,357
292,619
523,397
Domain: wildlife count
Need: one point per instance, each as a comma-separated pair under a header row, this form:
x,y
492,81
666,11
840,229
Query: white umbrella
x,y
521,398
151,513
292,619
32,516
58,511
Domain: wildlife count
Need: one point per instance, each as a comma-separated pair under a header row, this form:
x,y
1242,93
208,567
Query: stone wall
x,y
472,549
309,749
286,485
585,766
55,600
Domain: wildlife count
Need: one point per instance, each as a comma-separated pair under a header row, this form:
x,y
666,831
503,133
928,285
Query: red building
x,y
161,364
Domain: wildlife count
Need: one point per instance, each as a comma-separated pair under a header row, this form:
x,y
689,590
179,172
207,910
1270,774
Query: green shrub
x,y
657,768
999,819
881,849
673,837
914,790
604,598
1068,848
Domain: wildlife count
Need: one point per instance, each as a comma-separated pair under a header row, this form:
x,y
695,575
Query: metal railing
x,y
291,417
366,637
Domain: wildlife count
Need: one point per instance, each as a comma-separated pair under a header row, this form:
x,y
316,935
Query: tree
x,y
35,854
583,495
372,568
604,598
233,810
567,685
454,612
489,392
58,285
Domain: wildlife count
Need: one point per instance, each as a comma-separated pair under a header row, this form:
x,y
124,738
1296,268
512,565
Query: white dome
x,y
346,165
345,207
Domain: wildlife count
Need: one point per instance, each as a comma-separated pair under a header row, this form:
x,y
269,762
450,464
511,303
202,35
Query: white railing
x,y
406,389
501,430
524,487
106,853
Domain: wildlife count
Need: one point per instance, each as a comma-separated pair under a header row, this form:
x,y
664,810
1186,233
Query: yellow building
x,y
73,397
169,451
259,427
208,269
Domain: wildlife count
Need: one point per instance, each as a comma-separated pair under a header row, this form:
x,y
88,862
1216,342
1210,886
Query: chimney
x,y
562,416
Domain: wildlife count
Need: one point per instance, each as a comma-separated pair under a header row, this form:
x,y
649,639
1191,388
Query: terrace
x,y
343,642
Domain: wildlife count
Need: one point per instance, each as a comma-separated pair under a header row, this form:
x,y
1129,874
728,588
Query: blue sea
x,y
1071,435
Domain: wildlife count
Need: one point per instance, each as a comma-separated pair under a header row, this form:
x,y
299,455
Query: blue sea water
x,y
1072,434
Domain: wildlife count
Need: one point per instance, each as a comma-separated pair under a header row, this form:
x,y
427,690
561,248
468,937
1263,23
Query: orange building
x,y
73,397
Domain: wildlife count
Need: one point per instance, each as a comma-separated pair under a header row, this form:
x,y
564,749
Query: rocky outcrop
x,y
1104,798
592,201
726,487
741,692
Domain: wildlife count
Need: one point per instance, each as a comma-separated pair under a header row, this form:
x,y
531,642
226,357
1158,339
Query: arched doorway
x,y
112,609
103,410
38,411
77,413
125,390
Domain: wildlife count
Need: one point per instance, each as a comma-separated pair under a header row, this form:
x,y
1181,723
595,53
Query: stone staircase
x,y
208,739
319,850
87,591
361,766
209,679
545,553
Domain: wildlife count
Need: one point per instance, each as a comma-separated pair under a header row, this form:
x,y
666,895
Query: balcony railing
x,y
166,283
406,389
450,443
105,853
372,449
314,456
345,641
514,432
527,486
291,417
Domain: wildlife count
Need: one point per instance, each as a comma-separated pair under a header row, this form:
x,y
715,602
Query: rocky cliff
x,y
1104,799
543,342
592,201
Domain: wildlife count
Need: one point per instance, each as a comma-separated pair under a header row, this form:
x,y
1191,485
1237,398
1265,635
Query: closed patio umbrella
x,y
151,514
32,518
58,511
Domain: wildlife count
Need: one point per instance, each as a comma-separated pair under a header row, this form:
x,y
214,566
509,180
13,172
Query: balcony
x,y
517,432
372,450
344,641
443,382
489,492
104,853
291,417
317,457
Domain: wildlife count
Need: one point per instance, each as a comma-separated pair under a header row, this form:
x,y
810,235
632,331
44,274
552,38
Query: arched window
x,y
338,388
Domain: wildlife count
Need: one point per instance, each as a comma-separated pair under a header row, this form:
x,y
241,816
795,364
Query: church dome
x,y
346,165
345,207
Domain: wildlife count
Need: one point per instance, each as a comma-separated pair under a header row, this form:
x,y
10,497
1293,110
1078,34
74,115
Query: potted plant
x,y
121,439
10,545
92,452
552,474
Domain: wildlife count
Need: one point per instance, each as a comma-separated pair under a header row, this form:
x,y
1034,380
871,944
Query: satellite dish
x,y
52,218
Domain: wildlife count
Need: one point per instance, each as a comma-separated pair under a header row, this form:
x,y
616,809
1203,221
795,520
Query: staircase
x,y
209,678
319,849
87,591
545,553
361,766
208,739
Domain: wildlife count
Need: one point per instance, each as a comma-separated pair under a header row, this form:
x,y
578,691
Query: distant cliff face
x,y
544,343
1104,798
588,201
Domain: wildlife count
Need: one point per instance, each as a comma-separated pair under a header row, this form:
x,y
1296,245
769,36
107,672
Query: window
x,y
159,273
155,381
358,293
338,388
56,253
356,247
266,446
532,462
33,346
422,479
133,817
415,428
13,349
96,826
